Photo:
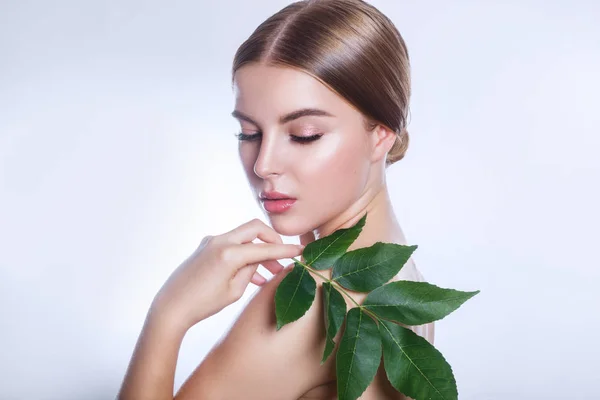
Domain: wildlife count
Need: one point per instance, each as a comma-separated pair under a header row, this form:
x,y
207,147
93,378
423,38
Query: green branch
x,y
413,366
338,286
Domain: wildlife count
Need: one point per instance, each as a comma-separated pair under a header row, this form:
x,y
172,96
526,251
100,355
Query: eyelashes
x,y
298,139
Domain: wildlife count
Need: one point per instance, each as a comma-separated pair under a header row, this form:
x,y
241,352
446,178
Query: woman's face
x,y
301,139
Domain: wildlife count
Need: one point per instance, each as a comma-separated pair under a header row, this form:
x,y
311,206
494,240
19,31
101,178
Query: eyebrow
x,y
304,112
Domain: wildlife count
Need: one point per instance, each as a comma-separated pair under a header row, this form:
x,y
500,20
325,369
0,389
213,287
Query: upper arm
x,y
254,361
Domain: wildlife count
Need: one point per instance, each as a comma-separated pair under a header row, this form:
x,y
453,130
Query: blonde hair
x,y
348,45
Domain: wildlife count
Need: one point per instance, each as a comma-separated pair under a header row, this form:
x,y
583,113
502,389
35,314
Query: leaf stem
x,y
338,286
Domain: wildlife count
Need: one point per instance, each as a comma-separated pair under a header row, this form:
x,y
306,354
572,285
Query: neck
x,y
381,224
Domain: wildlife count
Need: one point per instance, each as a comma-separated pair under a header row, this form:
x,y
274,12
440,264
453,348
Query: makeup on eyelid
x,y
299,131
308,132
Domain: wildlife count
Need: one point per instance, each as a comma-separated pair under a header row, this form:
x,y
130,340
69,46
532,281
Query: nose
x,y
268,161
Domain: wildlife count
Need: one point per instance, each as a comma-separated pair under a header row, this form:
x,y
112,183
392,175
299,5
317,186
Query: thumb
x,y
307,237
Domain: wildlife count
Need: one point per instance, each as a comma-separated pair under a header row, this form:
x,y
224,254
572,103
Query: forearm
x,y
151,371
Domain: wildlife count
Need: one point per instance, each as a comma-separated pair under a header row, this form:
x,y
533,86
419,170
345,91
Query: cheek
x,y
337,170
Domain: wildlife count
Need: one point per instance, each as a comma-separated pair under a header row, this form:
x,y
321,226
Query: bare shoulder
x,y
255,361
380,388
410,272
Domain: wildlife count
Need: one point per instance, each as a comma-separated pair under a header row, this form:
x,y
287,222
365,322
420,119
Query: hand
x,y
219,271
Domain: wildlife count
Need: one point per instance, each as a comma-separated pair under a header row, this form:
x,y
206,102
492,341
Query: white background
x,y
117,156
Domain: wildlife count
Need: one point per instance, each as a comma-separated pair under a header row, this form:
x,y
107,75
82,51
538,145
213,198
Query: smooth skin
x,y
336,177
213,277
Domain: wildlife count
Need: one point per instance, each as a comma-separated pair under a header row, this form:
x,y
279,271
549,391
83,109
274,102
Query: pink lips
x,y
278,206
276,202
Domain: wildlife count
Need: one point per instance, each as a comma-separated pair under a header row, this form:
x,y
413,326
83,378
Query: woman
x,y
322,94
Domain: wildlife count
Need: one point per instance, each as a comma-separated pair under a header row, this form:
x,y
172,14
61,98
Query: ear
x,y
382,140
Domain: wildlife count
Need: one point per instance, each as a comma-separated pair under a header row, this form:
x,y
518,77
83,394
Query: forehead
x,y
260,89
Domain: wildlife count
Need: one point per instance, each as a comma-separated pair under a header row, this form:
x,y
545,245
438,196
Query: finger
x,y
258,279
273,266
251,253
307,237
244,275
252,230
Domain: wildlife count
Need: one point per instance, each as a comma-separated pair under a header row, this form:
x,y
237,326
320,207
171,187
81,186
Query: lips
x,y
273,195
276,202
278,206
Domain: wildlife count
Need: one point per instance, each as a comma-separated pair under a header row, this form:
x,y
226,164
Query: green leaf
x,y
294,295
414,303
367,268
322,253
414,367
358,356
335,312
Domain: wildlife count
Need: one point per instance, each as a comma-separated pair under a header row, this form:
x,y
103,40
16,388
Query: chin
x,y
288,224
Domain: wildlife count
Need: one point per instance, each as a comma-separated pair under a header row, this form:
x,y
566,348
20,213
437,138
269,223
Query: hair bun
x,y
399,147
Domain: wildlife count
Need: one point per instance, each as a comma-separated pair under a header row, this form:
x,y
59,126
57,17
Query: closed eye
x,y
298,139
244,136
